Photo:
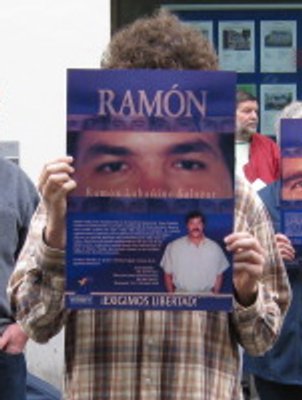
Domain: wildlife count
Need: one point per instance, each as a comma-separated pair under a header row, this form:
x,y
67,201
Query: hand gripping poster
x,y
154,158
291,187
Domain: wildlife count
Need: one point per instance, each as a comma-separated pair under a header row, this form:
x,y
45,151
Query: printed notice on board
x,y
154,160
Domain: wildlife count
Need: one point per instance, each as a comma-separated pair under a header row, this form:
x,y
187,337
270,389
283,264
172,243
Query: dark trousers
x,y
12,376
268,390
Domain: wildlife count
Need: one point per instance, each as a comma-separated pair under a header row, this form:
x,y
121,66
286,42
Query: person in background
x,y
257,156
277,373
160,355
18,200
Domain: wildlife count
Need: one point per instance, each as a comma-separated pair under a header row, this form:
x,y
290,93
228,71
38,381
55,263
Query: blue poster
x,y
154,165
291,185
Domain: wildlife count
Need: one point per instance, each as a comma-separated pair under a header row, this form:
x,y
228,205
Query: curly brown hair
x,y
160,41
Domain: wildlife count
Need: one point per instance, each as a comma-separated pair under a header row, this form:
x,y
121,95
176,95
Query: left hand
x,y
54,184
13,339
249,260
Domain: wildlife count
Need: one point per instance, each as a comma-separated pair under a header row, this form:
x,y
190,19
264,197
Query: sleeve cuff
x,y
245,314
50,257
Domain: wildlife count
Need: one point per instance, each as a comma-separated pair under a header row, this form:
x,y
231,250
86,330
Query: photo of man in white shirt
x,y
194,263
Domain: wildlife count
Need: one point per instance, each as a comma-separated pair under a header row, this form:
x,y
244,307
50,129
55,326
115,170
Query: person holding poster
x,y
204,272
278,373
158,355
257,156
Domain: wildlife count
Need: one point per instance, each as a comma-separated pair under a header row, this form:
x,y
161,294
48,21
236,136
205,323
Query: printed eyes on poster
x,y
154,163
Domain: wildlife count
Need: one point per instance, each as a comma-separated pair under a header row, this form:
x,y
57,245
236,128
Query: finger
x,y
55,167
287,253
60,161
236,236
249,257
241,239
56,183
56,202
280,235
287,257
252,272
280,238
243,243
286,246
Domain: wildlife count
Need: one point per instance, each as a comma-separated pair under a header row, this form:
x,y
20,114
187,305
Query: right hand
x,y
54,185
249,261
285,247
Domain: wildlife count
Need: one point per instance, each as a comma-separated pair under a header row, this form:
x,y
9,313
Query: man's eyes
x,y
297,185
112,167
190,165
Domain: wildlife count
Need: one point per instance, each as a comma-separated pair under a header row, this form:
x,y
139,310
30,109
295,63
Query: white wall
x,y
39,40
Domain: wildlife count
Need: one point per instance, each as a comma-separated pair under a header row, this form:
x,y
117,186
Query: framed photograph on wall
x,y
273,98
278,46
236,46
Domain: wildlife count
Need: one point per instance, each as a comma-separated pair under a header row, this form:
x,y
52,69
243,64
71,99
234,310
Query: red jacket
x,y
264,160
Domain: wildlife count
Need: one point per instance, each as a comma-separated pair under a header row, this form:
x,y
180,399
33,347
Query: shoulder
x,y
11,170
182,241
8,166
264,139
19,187
244,192
212,243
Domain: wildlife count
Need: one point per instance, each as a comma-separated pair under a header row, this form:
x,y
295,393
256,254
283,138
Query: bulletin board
x,y
261,42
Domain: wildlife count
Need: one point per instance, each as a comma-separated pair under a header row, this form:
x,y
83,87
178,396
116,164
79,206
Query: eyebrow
x,y
98,149
195,146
